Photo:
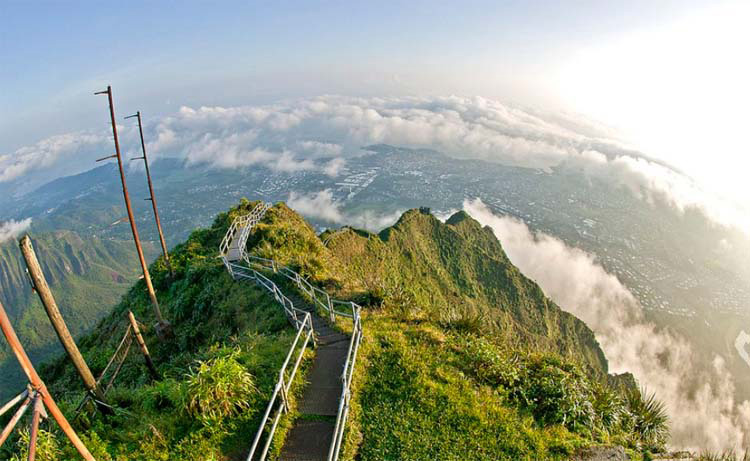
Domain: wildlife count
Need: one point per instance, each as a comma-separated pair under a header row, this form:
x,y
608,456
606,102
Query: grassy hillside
x,y
227,335
463,357
457,275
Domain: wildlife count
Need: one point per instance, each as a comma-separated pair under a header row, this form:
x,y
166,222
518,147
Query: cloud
x,y
12,229
319,134
321,205
47,153
444,215
334,167
699,397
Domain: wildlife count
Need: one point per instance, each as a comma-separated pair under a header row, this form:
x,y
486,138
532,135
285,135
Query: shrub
x,y
552,390
557,393
463,317
47,446
163,395
219,388
609,408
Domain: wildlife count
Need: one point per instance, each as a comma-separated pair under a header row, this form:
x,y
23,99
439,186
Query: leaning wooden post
x,y
163,327
38,385
153,197
142,345
58,323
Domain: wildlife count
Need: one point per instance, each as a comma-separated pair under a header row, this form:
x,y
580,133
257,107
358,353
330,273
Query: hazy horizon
x,y
602,64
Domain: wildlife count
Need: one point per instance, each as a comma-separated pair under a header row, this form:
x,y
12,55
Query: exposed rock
x,y
601,453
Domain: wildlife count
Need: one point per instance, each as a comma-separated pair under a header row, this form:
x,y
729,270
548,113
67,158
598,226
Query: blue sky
x,y
161,55
633,65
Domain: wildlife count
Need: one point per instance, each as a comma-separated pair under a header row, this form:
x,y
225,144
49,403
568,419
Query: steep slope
x,y
218,370
456,273
85,275
462,357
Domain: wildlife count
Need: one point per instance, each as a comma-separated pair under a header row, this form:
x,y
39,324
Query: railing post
x,y
331,313
308,319
284,402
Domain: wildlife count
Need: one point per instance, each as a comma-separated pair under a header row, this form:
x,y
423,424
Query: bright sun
x,y
679,92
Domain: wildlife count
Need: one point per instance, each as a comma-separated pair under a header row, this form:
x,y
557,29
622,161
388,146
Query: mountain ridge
x,y
431,364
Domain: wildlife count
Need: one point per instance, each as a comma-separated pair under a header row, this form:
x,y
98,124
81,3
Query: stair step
x,y
321,396
308,441
336,340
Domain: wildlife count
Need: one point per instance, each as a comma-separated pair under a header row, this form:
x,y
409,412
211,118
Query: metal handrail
x,y
244,223
346,376
320,299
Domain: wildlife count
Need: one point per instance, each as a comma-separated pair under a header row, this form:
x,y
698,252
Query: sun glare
x,y
678,92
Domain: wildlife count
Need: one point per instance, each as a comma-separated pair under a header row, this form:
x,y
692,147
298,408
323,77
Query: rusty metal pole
x,y
39,386
58,323
163,325
142,345
151,192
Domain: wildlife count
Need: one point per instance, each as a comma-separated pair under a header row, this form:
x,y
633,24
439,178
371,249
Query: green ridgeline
x,y
463,357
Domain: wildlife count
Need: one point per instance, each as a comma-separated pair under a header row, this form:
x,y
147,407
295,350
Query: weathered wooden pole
x,y
151,192
39,386
162,324
14,401
58,323
35,417
142,345
14,420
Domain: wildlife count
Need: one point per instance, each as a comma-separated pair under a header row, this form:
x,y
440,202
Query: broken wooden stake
x,y
35,417
14,420
142,345
58,323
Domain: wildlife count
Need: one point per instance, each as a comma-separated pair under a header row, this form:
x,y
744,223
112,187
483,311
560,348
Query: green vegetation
x,y
219,388
87,277
218,370
463,357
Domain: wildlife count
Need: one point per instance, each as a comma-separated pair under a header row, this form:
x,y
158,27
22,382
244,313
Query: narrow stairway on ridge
x,y
312,432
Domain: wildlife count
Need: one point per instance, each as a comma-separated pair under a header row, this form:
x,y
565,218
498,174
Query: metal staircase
x,y
328,393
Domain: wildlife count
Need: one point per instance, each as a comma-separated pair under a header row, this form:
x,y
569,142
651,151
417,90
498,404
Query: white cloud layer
x,y
12,229
700,399
318,134
322,206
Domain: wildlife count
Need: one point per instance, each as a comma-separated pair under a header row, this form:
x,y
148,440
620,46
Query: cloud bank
x,y
318,134
322,206
699,399
12,229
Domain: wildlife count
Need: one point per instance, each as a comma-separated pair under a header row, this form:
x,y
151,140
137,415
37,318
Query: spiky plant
x,y
649,420
608,407
724,456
